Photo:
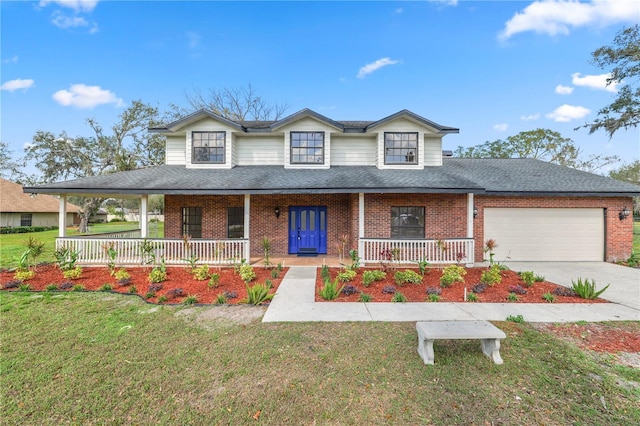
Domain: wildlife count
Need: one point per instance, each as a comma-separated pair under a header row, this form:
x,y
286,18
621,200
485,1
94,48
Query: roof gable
x,y
411,116
303,114
194,118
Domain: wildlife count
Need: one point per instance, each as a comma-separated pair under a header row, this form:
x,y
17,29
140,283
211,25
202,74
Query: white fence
x,y
139,251
457,250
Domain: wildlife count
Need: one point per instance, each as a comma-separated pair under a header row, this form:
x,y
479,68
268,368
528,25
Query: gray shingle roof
x,y
457,175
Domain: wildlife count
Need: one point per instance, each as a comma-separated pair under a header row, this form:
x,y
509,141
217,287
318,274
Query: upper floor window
x,y
307,147
400,148
208,147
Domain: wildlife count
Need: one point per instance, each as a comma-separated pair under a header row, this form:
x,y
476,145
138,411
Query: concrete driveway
x,y
624,282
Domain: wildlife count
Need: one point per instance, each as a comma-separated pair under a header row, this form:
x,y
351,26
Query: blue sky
x,y
490,68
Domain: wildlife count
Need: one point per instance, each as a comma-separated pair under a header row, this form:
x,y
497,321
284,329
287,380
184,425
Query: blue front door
x,y
308,229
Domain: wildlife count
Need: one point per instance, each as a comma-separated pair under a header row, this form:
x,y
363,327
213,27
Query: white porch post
x,y
470,219
62,216
361,224
144,224
247,215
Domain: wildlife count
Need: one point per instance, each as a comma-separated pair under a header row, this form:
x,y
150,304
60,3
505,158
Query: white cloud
x,y
76,5
62,21
555,17
374,66
564,90
595,81
530,117
501,127
83,96
194,39
13,85
27,145
398,11
11,60
446,2
566,113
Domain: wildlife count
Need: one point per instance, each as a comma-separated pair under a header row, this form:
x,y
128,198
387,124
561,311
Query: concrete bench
x,y
489,336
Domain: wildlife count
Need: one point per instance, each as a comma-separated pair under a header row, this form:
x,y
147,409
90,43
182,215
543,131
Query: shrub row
x,y
25,229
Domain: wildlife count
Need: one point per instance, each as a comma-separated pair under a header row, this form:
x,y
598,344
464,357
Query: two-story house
x,y
315,186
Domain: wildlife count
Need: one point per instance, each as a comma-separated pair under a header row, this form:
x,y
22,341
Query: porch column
x,y
361,224
247,215
470,215
144,224
62,216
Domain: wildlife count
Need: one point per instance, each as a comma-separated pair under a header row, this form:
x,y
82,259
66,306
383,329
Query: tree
x,y
624,57
9,168
62,157
541,144
237,104
629,173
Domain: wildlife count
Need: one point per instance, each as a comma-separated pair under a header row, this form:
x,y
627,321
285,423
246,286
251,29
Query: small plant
x,y
348,290
66,285
491,276
434,290
274,273
11,284
538,278
407,276
634,260
221,299
124,282
564,292
24,287
388,289
512,297
324,273
258,294
398,297
66,259
190,299
230,294
369,277
364,297
516,318
266,247
112,254
133,289
121,274
346,275
23,274
548,297
517,289
268,283
149,295
433,298
158,275
105,287
472,297
330,290
214,281
154,288
452,274
147,252
528,278
489,246
78,287
51,287
73,274
247,274
162,299
174,293
422,266
279,267
479,288
355,260
35,248
238,265
587,288
201,273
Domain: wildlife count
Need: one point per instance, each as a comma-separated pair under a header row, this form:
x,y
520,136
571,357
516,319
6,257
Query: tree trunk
x,y
90,206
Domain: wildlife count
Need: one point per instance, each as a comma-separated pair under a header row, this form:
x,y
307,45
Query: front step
x,y
308,252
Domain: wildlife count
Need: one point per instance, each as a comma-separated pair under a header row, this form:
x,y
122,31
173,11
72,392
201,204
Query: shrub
x,y
369,277
158,275
587,288
154,288
634,260
214,280
124,282
201,273
230,294
133,289
162,299
517,289
258,294
548,297
433,298
105,287
512,297
121,274
324,273
472,297
479,288
364,297
73,274
190,299
434,290
247,274
452,274
11,284
51,287
348,290
330,290
538,278
149,295
517,319
66,259
563,292
528,278
407,276
78,287
491,276
422,266
174,293
220,299
346,275
274,273
268,283
24,287
398,297
66,285
23,275
388,289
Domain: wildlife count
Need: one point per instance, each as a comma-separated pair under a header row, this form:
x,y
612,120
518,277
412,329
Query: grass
x,y
97,358
12,245
636,237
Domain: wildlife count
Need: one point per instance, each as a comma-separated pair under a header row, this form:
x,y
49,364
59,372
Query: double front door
x,y
307,229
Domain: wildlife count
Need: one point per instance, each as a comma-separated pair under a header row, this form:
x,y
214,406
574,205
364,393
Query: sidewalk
x,y
294,302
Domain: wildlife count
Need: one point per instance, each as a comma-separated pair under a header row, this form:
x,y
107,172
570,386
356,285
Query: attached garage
x,y
546,234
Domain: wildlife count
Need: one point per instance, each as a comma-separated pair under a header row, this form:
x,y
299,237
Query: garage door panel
x,y
546,234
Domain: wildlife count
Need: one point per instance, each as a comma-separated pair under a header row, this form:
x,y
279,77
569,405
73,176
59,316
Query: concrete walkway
x,y
294,300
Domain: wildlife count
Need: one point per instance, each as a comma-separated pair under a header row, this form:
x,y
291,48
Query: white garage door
x,y
540,234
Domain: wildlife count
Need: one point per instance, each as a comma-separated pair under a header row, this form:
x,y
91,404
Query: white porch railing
x,y
138,251
132,233
455,250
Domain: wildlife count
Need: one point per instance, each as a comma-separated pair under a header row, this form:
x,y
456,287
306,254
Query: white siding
x,y
432,151
259,150
353,150
37,219
546,234
175,151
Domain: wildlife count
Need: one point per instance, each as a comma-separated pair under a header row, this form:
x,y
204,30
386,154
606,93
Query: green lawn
x,y
97,358
636,237
13,245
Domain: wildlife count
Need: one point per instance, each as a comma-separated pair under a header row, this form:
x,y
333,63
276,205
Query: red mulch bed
x,y
177,277
418,292
599,337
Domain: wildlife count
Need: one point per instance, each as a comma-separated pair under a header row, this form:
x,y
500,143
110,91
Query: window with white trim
x,y
400,148
307,147
208,147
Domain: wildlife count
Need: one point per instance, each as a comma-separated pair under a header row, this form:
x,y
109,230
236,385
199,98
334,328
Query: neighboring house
x,y
308,183
20,209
